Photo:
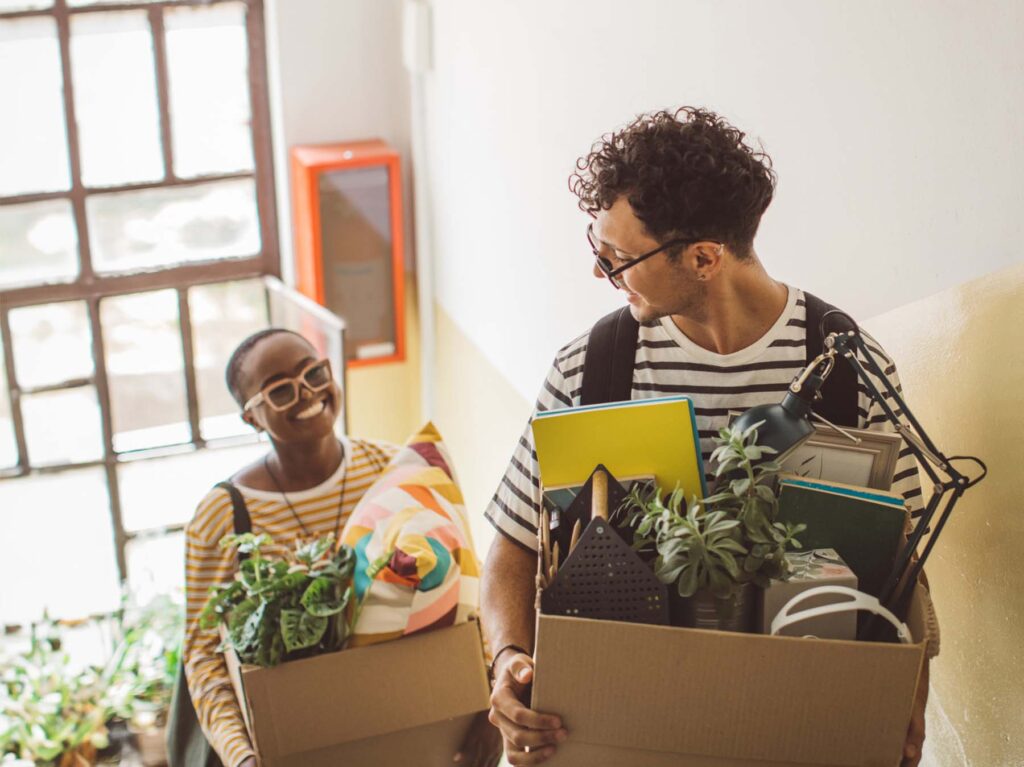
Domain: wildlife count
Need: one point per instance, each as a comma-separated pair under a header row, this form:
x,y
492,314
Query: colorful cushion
x,y
415,564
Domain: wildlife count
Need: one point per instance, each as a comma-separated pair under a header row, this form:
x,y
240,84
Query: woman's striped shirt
x,y
668,363
206,565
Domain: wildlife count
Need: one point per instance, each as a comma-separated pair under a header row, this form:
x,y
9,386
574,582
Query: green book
x,y
865,526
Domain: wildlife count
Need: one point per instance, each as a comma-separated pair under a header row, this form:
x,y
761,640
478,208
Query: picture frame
x,y
831,455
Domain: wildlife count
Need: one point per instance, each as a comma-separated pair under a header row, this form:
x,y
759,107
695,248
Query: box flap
x,y
360,693
726,695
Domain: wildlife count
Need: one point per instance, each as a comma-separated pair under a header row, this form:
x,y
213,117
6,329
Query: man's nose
x,y
597,272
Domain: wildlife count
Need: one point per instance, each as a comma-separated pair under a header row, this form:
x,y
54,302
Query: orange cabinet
x,y
348,242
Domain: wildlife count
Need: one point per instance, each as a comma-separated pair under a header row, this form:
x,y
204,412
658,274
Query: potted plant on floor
x,y
717,550
148,644
51,712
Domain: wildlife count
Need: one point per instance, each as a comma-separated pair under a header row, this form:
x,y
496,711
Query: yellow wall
x,y
480,416
383,400
961,359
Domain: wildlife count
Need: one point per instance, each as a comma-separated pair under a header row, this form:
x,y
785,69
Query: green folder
x,y
865,526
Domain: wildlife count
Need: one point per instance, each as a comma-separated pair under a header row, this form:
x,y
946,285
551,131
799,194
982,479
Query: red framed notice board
x,y
347,201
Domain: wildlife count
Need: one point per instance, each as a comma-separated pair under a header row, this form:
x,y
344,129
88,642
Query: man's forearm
x,y
507,593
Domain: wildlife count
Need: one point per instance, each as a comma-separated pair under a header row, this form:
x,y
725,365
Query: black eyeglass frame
x,y
606,268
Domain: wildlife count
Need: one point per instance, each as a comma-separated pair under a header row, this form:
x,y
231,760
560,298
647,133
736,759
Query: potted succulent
x,y
717,550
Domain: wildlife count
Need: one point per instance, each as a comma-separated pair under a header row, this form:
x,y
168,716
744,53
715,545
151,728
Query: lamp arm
x,y
946,492
917,438
899,584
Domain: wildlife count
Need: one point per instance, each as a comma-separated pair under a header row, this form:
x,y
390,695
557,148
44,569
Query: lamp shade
x,y
786,425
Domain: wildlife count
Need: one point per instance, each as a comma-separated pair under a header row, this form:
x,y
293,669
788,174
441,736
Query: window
x,y
137,222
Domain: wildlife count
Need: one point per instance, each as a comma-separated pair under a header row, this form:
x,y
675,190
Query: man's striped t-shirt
x,y
206,565
668,363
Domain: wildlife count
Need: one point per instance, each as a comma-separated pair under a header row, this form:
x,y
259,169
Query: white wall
x,y
895,127
335,74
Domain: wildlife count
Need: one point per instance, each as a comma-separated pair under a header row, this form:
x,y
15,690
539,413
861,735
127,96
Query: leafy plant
x,y
52,712
279,610
726,540
147,647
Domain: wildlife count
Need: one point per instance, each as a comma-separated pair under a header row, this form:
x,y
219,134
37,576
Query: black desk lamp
x,y
786,425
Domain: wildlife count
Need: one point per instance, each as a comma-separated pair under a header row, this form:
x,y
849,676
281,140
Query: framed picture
x,y
833,456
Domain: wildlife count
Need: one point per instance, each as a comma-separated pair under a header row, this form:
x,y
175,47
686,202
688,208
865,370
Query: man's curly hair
x,y
685,173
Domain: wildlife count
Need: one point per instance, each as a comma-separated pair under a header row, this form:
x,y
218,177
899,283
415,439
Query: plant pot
x,y
704,611
81,756
152,746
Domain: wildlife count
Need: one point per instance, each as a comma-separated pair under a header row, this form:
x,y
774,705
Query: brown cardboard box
x,y
654,696
409,701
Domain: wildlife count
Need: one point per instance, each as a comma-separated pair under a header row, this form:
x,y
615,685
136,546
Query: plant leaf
x,y
300,629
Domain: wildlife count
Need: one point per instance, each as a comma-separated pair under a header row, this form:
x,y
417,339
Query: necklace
x,y
341,497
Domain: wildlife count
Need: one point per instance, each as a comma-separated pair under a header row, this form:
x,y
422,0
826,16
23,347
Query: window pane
x,y
115,98
156,565
222,316
81,3
8,445
145,370
208,69
182,480
64,554
63,426
39,240
160,227
52,343
23,5
33,147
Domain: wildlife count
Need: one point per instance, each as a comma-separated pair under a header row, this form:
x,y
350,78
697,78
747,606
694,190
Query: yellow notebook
x,y
639,437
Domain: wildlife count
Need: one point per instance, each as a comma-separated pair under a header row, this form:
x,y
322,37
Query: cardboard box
x,y
409,701
810,569
654,696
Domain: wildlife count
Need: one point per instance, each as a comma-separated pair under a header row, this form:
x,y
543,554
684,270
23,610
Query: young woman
x,y
304,488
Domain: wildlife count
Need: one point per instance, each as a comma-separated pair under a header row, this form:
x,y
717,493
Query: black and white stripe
x,y
667,363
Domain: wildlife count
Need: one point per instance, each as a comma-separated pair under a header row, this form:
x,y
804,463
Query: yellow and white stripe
x,y
207,565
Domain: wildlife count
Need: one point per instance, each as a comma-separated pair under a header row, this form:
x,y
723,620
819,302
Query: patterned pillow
x,y
415,564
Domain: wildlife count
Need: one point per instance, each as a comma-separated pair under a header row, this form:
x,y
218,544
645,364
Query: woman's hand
x,y
249,761
482,746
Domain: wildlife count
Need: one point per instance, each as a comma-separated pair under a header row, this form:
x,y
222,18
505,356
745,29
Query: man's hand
x,y
530,737
914,743
482,746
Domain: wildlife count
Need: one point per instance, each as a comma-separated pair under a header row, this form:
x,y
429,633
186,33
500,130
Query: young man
x,y
675,201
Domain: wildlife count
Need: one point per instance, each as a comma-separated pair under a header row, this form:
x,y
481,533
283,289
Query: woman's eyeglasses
x,y
283,393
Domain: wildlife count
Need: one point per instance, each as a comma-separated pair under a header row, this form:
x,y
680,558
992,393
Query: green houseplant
x,y
51,711
147,644
282,609
720,547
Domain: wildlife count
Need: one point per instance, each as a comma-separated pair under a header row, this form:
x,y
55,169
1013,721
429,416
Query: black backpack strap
x,y
838,402
242,520
186,742
608,364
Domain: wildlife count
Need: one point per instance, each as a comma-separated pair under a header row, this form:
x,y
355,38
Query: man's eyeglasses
x,y
283,393
613,274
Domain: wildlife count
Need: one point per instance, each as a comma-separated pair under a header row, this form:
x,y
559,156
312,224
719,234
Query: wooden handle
x,y
575,536
599,496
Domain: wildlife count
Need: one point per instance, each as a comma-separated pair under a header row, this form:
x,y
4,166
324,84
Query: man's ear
x,y
708,259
